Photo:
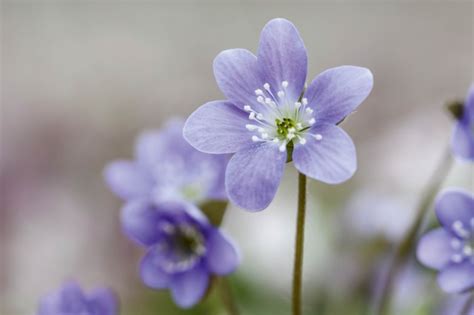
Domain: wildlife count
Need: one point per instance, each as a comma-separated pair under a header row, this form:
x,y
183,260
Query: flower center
x,y
181,248
463,242
279,119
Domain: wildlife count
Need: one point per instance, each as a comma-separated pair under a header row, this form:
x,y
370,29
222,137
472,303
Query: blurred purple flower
x,y
184,249
450,249
71,300
455,305
166,168
269,112
463,136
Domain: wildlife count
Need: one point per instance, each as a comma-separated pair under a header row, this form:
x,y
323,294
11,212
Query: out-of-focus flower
x,y
167,168
450,249
71,300
268,112
184,249
455,305
463,136
377,214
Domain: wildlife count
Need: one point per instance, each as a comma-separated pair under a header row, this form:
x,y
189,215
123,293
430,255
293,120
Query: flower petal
x,y
469,104
462,140
455,205
127,180
103,302
282,57
331,159
188,288
457,278
237,76
139,221
222,257
151,273
253,175
68,299
337,92
434,249
217,127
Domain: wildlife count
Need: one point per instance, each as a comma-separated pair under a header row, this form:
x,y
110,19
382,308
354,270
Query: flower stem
x,y
405,248
227,298
467,306
299,243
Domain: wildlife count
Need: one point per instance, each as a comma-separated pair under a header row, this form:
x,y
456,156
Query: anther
x,y
258,92
318,137
311,121
252,115
302,140
281,94
247,108
259,116
284,84
297,105
260,99
251,127
308,110
304,101
255,139
266,86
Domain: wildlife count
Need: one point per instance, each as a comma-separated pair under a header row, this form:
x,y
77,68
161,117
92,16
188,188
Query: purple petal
x,y
331,159
149,147
253,175
222,257
457,278
469,104
434,249
237,76
127,180
337,92
282,57
217,127
151,273
103,302
455,206
188,288
68,299
462,140
139,221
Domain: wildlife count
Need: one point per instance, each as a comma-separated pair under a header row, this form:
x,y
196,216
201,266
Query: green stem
x,y
227,297
467,307
299,243
405,248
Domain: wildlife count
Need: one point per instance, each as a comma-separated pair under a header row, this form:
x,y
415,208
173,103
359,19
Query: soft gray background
x,y
81,78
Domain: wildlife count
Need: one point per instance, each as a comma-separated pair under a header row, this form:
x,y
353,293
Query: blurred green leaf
x,y
214,210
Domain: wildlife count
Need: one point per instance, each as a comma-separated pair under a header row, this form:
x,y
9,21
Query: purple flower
x,y
166,167
71,300
268,112
450,249
455,305
463,136
184,250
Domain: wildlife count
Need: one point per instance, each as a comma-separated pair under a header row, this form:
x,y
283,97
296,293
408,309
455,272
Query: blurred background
x,y
80,79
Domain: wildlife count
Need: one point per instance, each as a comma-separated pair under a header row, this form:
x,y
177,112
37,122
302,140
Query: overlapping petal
x,y
457,278
253,175
462,141
434,249
218,127
103,302
282,57
189,287
455,205
337,92
331,159
222,257
139,221
151,272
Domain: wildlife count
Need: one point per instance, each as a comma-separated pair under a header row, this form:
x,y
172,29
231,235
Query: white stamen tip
x,y
312,121
299,126
318,137
264,135
252,115
308,110
302,141
260,99
266,86
290,136
281,94
258,92
251,127
255,138
282,147
284,84
304,101
259,116
268,100
247,108
297,105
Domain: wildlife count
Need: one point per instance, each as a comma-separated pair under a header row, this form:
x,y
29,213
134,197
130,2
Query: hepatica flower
x,y
269,114
184,249
166,168
450,249
71,300
463,135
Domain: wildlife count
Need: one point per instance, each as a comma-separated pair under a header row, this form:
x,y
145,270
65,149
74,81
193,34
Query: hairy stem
x,y
227,297
405,248
299,243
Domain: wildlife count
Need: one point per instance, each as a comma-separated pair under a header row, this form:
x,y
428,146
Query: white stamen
x,y
458,227
261,99
311,121
268,100
297,105
258,92
251,127
299,126
467,250
259,116
247,108
292,130
308,110
302,140
457,258
304,101
252,115
264,135
282,147
266,86
255,139
318,137
290,136
281,94
260,129
284,84
455,243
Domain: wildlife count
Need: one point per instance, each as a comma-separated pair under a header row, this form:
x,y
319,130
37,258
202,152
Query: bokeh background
x,y
80,79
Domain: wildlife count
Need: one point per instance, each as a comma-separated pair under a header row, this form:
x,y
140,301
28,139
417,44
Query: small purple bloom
x,y
269,111
455,305
71,300
166,168
184,249
450,249
463,136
